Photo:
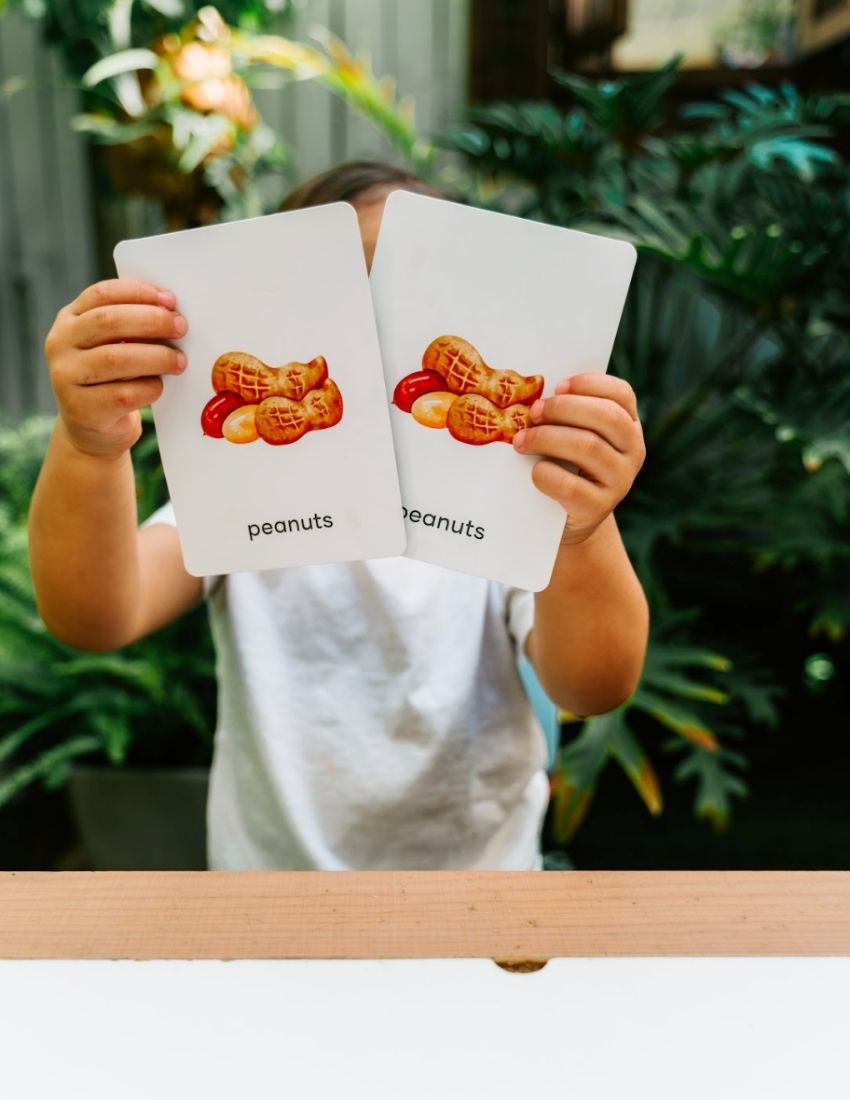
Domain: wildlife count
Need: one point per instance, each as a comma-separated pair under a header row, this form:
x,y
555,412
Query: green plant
x,y
168,95
736,337
87,31
757,32
352,79
171,101
152,703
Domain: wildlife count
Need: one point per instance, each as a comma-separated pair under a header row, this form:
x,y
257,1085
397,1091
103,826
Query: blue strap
x,y
544,708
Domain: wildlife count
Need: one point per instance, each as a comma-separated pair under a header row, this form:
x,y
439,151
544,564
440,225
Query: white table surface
x,y
426,1029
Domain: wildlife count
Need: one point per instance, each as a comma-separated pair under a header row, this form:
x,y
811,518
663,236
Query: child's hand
x,y
107,352
592,422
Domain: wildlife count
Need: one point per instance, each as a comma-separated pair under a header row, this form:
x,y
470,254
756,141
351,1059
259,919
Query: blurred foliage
x,y
172,102
736,338
85,31
168,91
152,703
760,31
352,79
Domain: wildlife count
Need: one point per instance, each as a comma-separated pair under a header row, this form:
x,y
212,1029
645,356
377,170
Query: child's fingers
x,y
602,385
117,362
109,324
597,414
108,403
119,398
588,451
576,494
122,291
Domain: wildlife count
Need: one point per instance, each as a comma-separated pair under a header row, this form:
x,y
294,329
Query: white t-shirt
x,y
371,716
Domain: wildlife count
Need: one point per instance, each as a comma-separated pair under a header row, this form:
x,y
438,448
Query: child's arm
x,y
590,624
101,583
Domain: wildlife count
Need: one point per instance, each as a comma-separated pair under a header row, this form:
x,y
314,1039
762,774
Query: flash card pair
x,y
320,420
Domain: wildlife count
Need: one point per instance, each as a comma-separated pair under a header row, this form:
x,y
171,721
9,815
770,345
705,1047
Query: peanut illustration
x,y
415,385
431,409
240,426
476,420
281,420
217,410
251,378
466,372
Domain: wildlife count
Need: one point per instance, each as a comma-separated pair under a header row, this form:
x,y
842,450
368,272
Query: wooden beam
x,y
511,917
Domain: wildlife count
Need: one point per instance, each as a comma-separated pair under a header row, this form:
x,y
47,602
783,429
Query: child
x,y
370,714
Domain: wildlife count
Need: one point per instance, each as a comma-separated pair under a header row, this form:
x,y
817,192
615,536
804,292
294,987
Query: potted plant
x,y
167,88
736,337
168,101
173,119
131,731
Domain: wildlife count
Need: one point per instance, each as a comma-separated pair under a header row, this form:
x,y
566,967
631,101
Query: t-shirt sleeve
x,y
519,610
165,514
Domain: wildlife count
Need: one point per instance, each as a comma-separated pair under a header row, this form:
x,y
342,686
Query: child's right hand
x,y
107,352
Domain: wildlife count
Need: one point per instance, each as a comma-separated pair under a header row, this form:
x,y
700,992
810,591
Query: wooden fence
x,y
48,250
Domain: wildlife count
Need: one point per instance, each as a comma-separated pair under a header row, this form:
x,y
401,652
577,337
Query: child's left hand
x,y
591,422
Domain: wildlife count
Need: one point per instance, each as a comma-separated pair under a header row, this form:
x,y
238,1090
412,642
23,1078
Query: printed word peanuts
x,y
466,372
276,404
457,390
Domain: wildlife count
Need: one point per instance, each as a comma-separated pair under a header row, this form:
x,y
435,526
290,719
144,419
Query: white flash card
x,y
479,314
275,441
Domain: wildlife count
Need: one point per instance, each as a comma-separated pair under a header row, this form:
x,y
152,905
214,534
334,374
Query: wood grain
x,y
509,917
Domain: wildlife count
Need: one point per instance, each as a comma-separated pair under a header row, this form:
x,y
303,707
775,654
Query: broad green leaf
x,y
126,61
716,786
577,767
687,689
114,735
11,743
821,450
675,717
172,9
624,747
207,134
44,765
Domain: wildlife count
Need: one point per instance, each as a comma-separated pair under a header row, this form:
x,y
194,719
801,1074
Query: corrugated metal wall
x,y
47,242
46,245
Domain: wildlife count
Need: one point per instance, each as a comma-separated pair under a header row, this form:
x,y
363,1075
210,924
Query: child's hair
x,y
353,180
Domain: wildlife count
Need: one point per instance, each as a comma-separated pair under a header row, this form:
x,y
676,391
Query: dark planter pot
x,y
141,820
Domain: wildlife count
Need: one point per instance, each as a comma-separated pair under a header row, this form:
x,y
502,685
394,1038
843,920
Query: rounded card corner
x,y
403,196
346,211
192,568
